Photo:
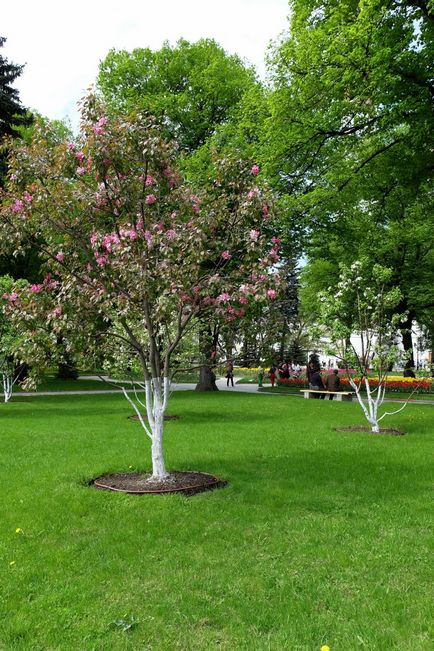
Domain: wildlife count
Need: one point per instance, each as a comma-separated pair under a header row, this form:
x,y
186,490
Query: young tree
x,y
361,304
124,240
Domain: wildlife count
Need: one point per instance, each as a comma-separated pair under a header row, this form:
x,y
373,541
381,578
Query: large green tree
x,y
190,87
350,137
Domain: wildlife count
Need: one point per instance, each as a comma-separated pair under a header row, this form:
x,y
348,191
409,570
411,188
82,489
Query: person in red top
x,y
272,374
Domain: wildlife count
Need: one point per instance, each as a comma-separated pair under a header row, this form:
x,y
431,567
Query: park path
x,y
221,384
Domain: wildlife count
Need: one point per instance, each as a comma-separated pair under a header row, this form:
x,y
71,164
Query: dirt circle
x,y
139,483
166,417
383,430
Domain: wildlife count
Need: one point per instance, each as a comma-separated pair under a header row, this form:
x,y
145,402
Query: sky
x,y
61,44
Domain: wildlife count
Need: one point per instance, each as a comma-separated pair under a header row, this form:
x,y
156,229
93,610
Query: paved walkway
x,y
221,384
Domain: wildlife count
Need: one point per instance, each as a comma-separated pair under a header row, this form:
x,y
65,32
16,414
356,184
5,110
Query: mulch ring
x,y
166,417
139,483
383,430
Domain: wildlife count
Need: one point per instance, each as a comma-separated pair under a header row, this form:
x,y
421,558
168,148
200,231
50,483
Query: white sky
x,y
62,43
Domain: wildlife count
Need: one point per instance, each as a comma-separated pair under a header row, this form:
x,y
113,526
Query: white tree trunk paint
x,y
8,383
371,410
156,400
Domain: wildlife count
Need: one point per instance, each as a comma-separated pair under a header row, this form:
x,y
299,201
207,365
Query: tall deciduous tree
x,y
125,240
190,87
350,138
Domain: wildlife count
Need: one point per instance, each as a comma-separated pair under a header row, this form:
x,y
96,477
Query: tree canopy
x,y
190,87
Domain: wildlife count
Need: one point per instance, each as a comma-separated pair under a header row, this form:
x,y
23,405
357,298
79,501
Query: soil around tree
x,y
383,430
166,417
139,483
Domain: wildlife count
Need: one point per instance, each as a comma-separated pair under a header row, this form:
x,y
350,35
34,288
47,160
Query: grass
x,y
319,538
52,383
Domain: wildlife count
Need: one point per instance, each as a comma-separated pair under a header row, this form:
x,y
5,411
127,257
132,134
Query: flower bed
x,y
397,384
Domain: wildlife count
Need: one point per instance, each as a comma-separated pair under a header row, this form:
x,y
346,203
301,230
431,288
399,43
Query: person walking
x,y
272,375
229,374
260,376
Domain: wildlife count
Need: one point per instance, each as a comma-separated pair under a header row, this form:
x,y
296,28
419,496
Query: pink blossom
x,y
223,298
35,289
253,193
81,171
171,234
57,311
149,180
109,240
243,300
60,256
148,236
174,215
150,199
28,197
271,293
93,238
13,297
98,128
254,235
230,309
265,210
71,146
276,240
244,289
241,312
195,208
79,156
132,234
101,260
225,255
17,206
255,169
262,277
208,300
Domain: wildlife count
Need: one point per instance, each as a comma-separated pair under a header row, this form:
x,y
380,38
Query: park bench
x,y
340,395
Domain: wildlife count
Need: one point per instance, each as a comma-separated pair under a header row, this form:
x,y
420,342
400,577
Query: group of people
x,y
284,370
332,381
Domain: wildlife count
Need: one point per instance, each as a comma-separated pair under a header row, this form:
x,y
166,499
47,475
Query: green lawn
x,y
319,538
51,383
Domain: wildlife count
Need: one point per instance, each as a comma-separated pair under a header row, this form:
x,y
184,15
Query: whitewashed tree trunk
x,y
8,382
156,399
371,410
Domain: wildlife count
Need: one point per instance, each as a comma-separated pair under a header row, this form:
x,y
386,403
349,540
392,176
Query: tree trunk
x,y
208,349
407,342
158,466
206,379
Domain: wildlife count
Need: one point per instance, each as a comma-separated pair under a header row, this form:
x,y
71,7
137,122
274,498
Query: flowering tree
x,y
363,304
9,339
132,256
